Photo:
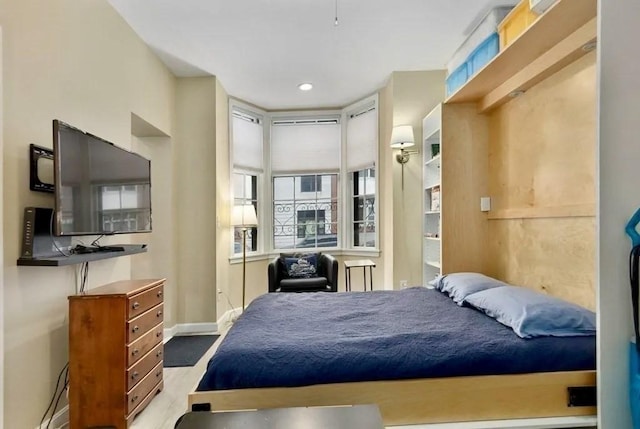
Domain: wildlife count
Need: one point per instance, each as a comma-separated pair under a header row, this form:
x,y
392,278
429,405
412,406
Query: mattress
x,y
288,340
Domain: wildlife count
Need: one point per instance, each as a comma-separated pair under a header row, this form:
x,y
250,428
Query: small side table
x,y
364,263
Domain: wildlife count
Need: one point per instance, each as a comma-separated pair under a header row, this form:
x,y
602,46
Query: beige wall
x,y
195,136
385,184
80,62
414,94
160,261
226,292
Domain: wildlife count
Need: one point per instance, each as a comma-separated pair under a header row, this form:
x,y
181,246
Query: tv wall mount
x,y
35,153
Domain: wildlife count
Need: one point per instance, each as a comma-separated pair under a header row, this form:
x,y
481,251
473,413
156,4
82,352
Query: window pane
x,y
307,214
238,185
245,189
363,206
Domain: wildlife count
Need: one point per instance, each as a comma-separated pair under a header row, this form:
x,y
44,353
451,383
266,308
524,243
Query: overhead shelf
x,y
558,37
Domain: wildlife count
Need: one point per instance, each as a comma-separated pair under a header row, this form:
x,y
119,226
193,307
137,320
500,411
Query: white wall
x,y
80,62
619,197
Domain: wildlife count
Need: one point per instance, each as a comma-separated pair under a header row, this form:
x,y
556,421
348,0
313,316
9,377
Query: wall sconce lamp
x,y
402,138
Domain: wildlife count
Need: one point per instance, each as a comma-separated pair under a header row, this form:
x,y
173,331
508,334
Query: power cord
x,y
65,371
84,276
95,242
233,317
51,235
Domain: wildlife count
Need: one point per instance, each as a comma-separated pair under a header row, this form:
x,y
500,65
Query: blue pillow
x,y
459,285
302,267
533,314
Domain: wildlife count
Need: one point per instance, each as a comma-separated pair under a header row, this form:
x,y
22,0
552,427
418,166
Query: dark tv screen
x,y
99,187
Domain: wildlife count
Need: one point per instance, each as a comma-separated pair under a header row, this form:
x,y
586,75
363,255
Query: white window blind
x,y
362,139
247,142
305,145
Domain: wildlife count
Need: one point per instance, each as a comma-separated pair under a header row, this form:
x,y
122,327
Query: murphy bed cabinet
x,y
454,180
521,131
115,352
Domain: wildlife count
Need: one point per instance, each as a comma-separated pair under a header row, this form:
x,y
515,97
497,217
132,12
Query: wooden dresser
x,y
115,352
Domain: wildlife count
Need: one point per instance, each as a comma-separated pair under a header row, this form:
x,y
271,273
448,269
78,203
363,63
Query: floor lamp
x,y
245,218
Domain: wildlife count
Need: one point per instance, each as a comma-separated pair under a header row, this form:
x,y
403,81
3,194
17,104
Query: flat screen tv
x,y
100,188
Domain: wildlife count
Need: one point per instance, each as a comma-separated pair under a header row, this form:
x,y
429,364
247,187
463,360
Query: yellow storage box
x,y
514,24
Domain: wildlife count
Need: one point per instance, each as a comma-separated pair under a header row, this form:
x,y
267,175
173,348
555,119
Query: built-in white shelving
x,y
431,180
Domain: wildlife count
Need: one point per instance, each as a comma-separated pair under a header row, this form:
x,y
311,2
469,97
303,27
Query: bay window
x,y
305,162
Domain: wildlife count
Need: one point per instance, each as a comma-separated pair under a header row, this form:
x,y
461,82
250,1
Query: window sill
x,y
373,253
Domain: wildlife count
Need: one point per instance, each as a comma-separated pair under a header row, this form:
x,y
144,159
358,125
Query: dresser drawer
x,y
142,346
144,365
144,403
142,389
140,325
139,303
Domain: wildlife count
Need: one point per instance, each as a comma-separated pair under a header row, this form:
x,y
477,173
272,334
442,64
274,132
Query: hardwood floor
x,y
171,403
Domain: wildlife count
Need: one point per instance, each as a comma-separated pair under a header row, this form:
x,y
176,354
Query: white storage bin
x,y
487,26
540,6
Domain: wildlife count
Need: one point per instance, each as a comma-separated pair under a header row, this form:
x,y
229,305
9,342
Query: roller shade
x,y
362,140
310,145
247,142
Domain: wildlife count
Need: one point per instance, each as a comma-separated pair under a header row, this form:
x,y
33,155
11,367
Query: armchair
x,y
326,279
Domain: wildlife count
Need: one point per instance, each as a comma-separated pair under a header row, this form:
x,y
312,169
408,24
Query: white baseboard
x,y
60,420
189,328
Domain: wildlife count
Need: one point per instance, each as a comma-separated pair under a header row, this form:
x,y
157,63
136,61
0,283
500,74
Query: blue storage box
x,y
458,78
481,55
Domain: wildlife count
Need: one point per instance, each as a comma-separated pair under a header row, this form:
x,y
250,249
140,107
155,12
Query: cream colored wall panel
x,y
555,256
223,203
81,63
414,95
386,160
195,138
160,259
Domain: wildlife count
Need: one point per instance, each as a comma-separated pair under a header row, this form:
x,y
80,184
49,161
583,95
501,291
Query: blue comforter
x,y
316,338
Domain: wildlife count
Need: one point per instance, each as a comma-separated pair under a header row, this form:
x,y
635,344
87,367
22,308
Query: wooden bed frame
x,y
433,400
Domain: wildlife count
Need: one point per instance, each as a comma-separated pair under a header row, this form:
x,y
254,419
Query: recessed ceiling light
x,y
305,86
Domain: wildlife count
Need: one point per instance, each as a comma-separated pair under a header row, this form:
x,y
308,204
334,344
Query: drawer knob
x,y
135,305
134,399
135,375
135,329
159,353
135,352
159,313
159,373
159,293
158,334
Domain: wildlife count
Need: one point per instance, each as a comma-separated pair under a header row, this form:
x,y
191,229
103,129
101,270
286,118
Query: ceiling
x,y
260,50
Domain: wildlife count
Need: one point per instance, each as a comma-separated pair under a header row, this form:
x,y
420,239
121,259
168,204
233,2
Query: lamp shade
x,y
244,216
402,137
